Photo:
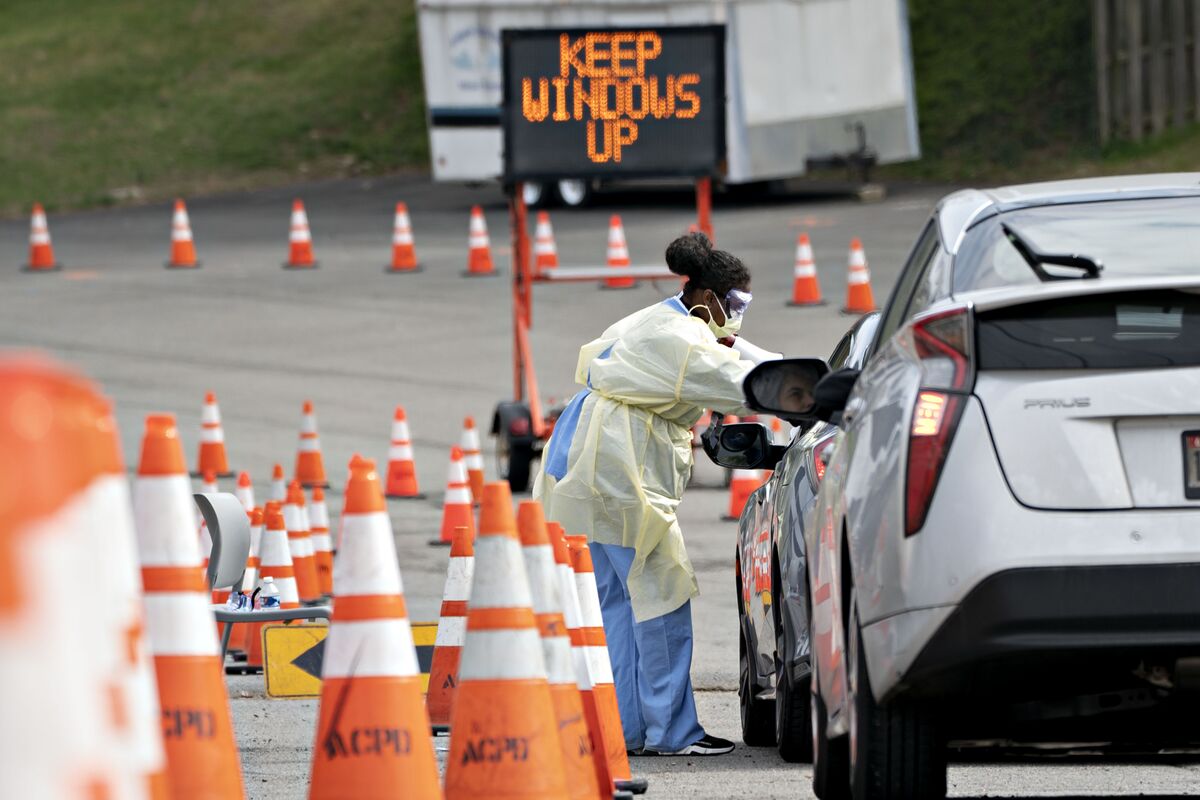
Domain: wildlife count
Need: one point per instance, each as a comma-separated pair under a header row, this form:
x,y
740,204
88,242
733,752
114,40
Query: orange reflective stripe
x,y
591,637
492,619
369,606
173,579
454,608
551,625
576,635
298,534
278,572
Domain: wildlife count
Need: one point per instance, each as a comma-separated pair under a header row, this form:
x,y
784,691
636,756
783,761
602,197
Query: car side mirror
x,y
744,445
786,388
833,391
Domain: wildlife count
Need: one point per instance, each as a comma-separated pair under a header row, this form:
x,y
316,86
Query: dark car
x,y
771,586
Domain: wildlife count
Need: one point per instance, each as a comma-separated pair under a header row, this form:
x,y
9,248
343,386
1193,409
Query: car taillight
x,y
518,427
819,467
942,345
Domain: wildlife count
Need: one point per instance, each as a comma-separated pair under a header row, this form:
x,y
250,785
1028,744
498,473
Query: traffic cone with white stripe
x,y
806,291
245,491
72,670
211,457
202,758
473,458
601,702
742,484
183,249
545,251
578,763
401,468
242,633
456,508
505,740
41,251
310,465
479,246
318,525
274,562
404,253
859,298
300,249
372,731
295,517
618,254
278,484
452,628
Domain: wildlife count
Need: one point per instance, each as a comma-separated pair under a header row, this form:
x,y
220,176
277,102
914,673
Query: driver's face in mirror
x,y
786,387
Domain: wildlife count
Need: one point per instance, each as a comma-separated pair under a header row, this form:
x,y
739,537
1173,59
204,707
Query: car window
x,y
897,309
840,353
934,284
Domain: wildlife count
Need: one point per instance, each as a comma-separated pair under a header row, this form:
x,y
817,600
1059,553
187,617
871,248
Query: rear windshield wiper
x,y
1090,266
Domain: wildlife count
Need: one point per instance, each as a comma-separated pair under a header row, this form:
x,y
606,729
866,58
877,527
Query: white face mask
x,y
733,323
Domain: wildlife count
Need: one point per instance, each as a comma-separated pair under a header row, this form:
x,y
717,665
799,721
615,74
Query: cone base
x,y
619,286
198,474
438,543
289,265
314,484
466,273
417,496
794,304
632,785
856,312
389,269
193,265
31,268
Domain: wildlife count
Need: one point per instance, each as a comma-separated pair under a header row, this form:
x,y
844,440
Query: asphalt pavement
x,y
357,341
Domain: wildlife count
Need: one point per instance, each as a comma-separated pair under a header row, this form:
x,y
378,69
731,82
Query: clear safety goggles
x,y
736,303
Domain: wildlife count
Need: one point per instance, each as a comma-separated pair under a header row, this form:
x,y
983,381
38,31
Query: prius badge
x,y
1059,402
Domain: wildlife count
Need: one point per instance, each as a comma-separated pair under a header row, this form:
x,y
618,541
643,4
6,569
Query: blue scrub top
x,y
559,446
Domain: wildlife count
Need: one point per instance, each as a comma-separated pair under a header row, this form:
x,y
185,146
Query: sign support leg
x,y
704,207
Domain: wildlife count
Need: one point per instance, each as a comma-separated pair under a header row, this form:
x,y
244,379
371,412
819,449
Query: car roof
x,y
957,212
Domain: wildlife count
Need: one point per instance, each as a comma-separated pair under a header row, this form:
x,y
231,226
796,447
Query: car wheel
x,y
830,757
895,751
793,717
758,717
513,462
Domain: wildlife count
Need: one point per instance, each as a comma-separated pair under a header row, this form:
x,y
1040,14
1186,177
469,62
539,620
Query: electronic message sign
x,y
595,102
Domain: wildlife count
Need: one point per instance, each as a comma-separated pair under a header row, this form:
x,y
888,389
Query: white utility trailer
x,y
808,82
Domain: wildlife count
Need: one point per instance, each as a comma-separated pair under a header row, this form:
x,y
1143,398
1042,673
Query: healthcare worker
x,y
616,467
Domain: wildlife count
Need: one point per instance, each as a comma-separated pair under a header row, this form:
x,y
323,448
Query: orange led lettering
x,y
535,110
686,95
568,56
560,99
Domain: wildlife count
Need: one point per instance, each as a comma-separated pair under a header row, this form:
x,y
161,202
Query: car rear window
x,y
1154,236
1130,330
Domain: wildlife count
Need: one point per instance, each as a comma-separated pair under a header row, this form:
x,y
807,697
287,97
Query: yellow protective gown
x,y
651,376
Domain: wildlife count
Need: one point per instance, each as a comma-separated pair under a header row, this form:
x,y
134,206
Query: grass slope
x,y
145,98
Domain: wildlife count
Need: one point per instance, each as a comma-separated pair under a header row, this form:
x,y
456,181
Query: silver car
x,y
1005,549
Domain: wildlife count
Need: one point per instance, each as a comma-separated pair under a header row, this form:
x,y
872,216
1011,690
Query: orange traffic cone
x,y
456,508
479,246
600,703
245,491
240,639
318,529
278,484
202,758
310,466
452,628
401,469
295,517
183,249
742,484
578,762
404,253
472,458
300,249
212,457
545,251
372,730
572,615
505,740
618,254
65,522
859,298
41,252
274,566
806,291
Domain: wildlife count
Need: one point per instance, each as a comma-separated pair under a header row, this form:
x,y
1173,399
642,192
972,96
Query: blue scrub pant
x,y
651,661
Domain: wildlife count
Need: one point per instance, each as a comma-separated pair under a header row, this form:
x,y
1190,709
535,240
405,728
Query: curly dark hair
x,y
693,256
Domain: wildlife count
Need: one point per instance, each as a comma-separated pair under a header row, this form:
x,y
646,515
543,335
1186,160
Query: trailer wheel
x,y
574,193
513,462
535,194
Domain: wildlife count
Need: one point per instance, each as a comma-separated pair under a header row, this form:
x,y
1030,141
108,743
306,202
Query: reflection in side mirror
x,y
744,445
785,388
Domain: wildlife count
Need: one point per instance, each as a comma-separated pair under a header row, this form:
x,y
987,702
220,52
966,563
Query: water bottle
x,y
238,602
269,596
